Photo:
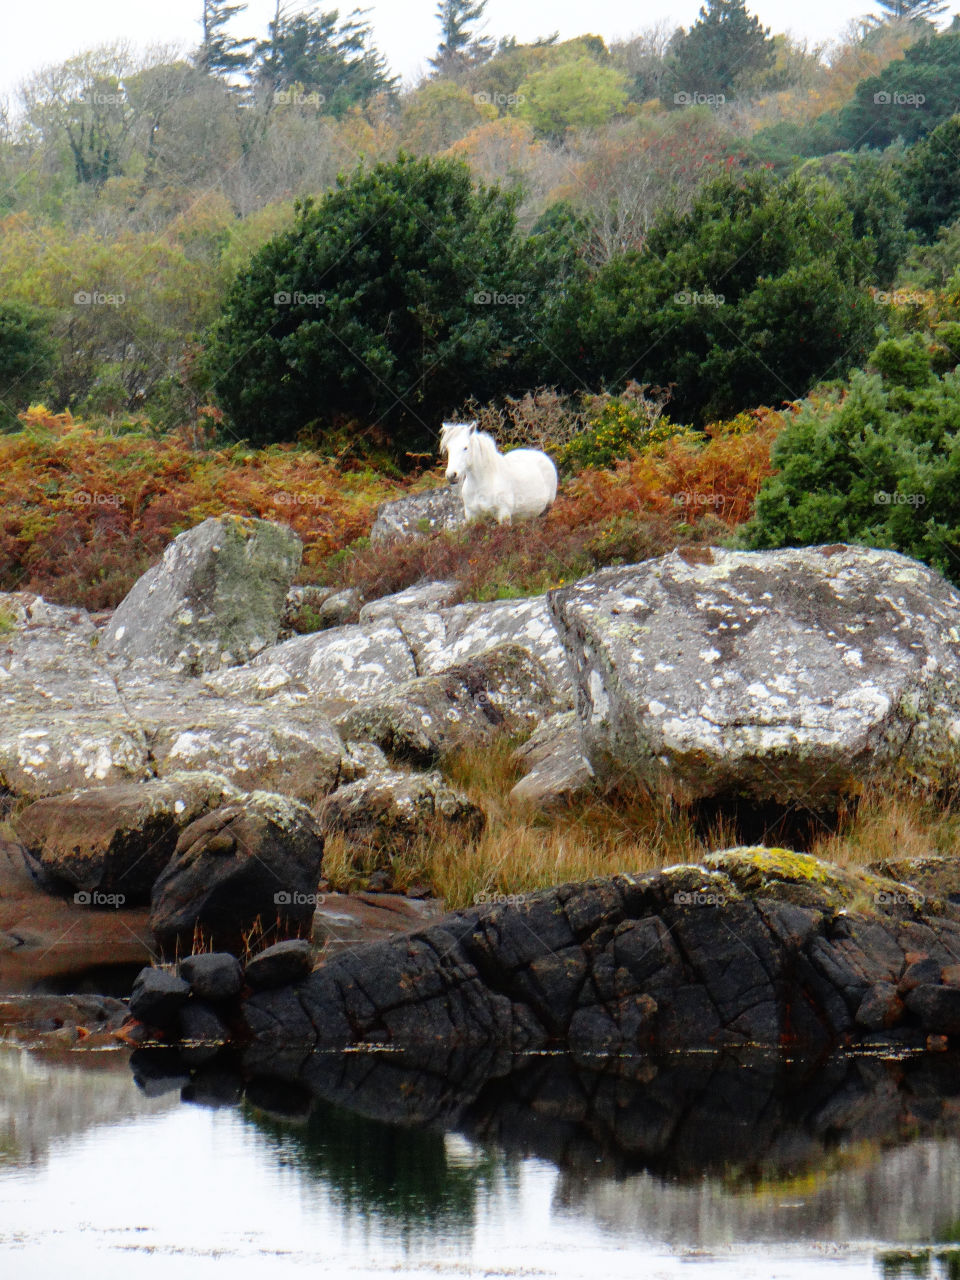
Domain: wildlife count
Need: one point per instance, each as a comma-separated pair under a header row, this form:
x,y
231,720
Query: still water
x,y
562,1172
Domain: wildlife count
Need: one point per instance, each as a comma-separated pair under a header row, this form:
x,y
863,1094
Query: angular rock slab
x,y
215,599
406,518
63,724
257,728
557,770
793,676
116,840
256,860
423,597
345,664
440,639
504,690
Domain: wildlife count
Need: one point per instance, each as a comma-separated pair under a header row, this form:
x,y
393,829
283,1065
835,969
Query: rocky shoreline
x,y
174,772
761,949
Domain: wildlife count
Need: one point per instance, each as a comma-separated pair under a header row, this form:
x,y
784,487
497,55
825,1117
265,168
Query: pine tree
x,y
723,47
460,47
896,10
219,53
320,53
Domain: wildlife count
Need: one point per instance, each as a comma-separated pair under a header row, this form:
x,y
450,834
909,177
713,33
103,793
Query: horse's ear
x,y
473,426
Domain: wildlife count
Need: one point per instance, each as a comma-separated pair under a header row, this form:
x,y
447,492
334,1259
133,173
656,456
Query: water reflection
x,y
415,1178
362,1163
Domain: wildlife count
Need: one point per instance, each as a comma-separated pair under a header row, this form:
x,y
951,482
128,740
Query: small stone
x,y
213,975
282,963
925,972
221,843
157,997
881,1008
199,1025
937,1044
950,974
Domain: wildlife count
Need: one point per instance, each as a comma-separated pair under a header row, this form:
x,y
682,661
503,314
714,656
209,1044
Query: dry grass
x,y
892,824
521,851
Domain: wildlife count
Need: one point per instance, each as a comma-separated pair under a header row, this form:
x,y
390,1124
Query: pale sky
x,y
40,32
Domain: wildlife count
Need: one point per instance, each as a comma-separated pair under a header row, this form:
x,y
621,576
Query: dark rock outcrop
x,y
758,948
257,860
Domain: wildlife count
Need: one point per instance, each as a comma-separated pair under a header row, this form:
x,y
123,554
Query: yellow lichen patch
x,y
758,870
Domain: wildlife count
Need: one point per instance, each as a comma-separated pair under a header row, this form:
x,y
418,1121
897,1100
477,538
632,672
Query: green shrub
x,y
620,426
879,465
389,301
909,97
26,358
752,297
930,180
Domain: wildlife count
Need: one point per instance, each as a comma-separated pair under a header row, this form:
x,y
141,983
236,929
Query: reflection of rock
x,y
44,1103
45,938
699,1149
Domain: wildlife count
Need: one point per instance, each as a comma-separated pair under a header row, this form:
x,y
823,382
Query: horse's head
x,y
455,441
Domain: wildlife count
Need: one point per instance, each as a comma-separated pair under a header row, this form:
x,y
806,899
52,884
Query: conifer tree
x,y
460,46
221,54
724,46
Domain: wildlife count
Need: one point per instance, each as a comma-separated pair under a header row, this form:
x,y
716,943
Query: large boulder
x,y
790,676
345,664
256,727
252,864
215,599
385,811
116,840
405,518
504,690
63,724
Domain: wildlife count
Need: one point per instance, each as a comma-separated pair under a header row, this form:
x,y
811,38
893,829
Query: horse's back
x,y
535,480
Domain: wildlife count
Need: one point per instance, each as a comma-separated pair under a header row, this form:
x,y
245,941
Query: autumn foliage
x,y
83,512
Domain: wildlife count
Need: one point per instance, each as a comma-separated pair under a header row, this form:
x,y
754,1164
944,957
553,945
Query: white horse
x,y
522,482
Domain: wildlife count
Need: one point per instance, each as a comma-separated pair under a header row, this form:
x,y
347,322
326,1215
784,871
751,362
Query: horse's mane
x,y
483,449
